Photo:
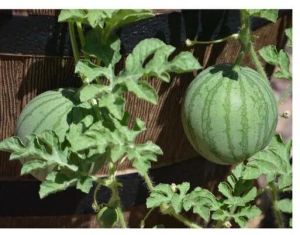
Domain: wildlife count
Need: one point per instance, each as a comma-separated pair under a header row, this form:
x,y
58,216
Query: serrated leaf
x,y
90,72
220,215
162,193
30,166
288,33
122,17
269,54
269,14
285,205
225,189
246,213
273,159
90,91
177,199
73,15
98,17
85,184
141,89
284,65
149,147
202,201
114,103
12,144
285,182
141,161
138,65
55,183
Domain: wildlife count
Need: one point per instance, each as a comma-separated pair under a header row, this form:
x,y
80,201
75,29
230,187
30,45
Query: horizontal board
x,y
43,35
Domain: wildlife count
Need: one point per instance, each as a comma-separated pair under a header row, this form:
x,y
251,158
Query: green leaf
x,y
269,54
269,14
141,161
140,88
225,189
288,33
138,65
245,214
285,182
273,159
107,217
122,17
202,201
279,59
54,183
30,166
115,104
85,184
12,144
99,17
284,65
89,91
90,72
162,193
285,205
220,215
74,15
177,199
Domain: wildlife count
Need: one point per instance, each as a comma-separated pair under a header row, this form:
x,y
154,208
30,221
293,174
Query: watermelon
x,y
47,111
229,113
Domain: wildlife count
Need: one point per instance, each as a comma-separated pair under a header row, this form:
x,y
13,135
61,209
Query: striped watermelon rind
x,y
47,111
229,114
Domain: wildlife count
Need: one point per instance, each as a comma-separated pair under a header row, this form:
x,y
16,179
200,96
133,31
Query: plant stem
x,y
256,62
246,42
80,33
189,42
142,224
184,220
276,212
73,42
179,217
148,182
115,200
95,195
121,217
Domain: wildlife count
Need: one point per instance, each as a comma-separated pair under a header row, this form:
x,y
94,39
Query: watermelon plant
x,y
229,114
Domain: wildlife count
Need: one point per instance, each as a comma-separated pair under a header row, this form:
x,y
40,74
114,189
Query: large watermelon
x,y
229,114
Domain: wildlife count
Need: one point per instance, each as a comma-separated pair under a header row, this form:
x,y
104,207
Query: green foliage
x,y
238,196
104,134
268,14
288,33
279,59
272,161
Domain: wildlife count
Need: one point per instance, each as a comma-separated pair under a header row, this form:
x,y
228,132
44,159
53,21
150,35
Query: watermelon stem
x,y
73,42
189,42
247,44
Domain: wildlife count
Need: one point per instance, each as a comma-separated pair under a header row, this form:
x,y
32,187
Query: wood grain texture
x,y
133,216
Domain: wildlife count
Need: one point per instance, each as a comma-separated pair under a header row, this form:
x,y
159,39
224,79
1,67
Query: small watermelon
x,y
47,111
229,113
